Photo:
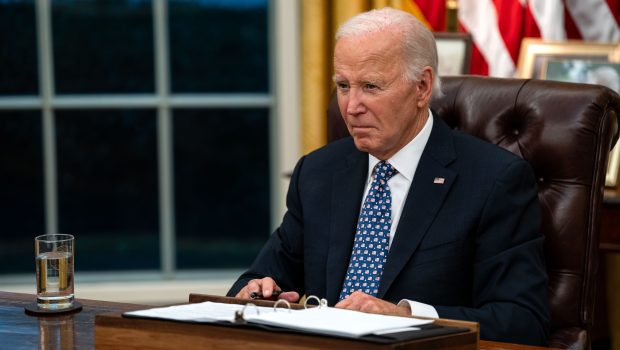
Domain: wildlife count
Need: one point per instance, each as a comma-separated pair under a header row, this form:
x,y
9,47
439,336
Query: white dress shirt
x,y
406,162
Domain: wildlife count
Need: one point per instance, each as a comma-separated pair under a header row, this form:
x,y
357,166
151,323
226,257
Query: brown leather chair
x,y
566,132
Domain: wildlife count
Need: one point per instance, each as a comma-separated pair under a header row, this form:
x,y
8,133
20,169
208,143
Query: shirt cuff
x,y
419,309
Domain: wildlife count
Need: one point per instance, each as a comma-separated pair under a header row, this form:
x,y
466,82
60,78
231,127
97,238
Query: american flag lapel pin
x,y
439,180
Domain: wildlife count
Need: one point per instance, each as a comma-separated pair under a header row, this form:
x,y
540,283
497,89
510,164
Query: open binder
x,y
319,320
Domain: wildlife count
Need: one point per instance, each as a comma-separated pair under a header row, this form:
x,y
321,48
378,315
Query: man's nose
x,y
356,103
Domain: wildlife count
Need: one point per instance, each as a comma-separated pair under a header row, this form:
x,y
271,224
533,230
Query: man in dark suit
x,y
407,216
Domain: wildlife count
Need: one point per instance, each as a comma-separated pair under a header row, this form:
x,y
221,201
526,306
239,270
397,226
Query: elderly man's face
x,y
382,110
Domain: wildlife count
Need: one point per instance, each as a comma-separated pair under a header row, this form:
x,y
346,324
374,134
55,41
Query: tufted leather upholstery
x,y
565,131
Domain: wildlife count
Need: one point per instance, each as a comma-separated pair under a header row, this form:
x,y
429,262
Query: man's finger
x,y
344,303
291,297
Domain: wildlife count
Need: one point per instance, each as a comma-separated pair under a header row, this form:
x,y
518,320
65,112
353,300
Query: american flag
x,y
498,26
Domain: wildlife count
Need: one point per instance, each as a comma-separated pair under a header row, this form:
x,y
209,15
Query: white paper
x,y
200,312
336,321
323,320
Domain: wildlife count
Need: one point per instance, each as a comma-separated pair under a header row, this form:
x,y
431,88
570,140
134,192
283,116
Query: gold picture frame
x,y
538,58
535,52
613,168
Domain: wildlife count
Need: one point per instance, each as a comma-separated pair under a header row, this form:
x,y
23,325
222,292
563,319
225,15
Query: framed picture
x,y
579,62
578,70
454,51
535,52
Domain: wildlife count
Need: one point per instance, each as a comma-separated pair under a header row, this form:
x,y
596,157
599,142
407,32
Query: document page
x,y
200,312
320,320
335,321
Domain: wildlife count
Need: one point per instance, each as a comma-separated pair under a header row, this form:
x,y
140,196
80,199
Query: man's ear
x,y
425,87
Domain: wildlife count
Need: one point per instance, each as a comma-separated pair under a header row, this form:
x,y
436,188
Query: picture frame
x,y
579,62
454,53
535,52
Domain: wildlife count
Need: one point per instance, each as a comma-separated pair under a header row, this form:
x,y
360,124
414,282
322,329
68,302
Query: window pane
x,y
21,185
103,46
18,51
107,187
219,46
222,186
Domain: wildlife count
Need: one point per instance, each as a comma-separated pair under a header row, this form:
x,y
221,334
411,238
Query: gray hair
x,y
419,45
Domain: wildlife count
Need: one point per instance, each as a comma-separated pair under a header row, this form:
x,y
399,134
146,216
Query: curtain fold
x,y
315,63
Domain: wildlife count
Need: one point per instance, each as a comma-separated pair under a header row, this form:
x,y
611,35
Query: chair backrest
x,y
565,131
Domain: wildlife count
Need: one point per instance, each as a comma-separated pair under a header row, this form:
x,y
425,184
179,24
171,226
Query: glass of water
x,y
54,260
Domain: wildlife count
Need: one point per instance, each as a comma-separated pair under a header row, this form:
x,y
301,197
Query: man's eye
x,y
371,87
342,86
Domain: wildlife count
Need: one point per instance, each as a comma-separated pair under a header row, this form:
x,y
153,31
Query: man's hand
x,y
363,302
265,287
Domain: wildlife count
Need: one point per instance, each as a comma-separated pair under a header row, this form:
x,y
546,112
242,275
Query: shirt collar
x,y
401,160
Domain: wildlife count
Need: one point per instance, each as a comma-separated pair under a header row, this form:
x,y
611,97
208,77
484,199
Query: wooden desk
x,y
77,331
73,331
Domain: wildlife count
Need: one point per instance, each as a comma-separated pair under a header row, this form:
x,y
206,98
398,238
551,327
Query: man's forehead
x,y
366,75
366,65
383,38
367,44
366,50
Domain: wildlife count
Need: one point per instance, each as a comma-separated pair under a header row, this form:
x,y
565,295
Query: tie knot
x,y
384,171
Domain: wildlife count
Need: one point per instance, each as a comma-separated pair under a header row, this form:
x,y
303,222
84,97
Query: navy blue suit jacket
x,y
471,247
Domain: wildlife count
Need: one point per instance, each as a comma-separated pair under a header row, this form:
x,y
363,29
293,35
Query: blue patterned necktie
x,y
370,248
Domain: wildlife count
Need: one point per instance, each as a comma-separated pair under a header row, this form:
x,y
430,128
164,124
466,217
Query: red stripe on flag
x,y
531,29
572,32
614,6
435,13
478,65
510,18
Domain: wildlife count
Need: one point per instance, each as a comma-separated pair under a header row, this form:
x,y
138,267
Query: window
x,y
229,35
107,186
221,200
141,127
103,46
18,52
21,171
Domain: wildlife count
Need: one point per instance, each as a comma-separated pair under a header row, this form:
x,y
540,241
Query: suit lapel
x,y
347,191
423,202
